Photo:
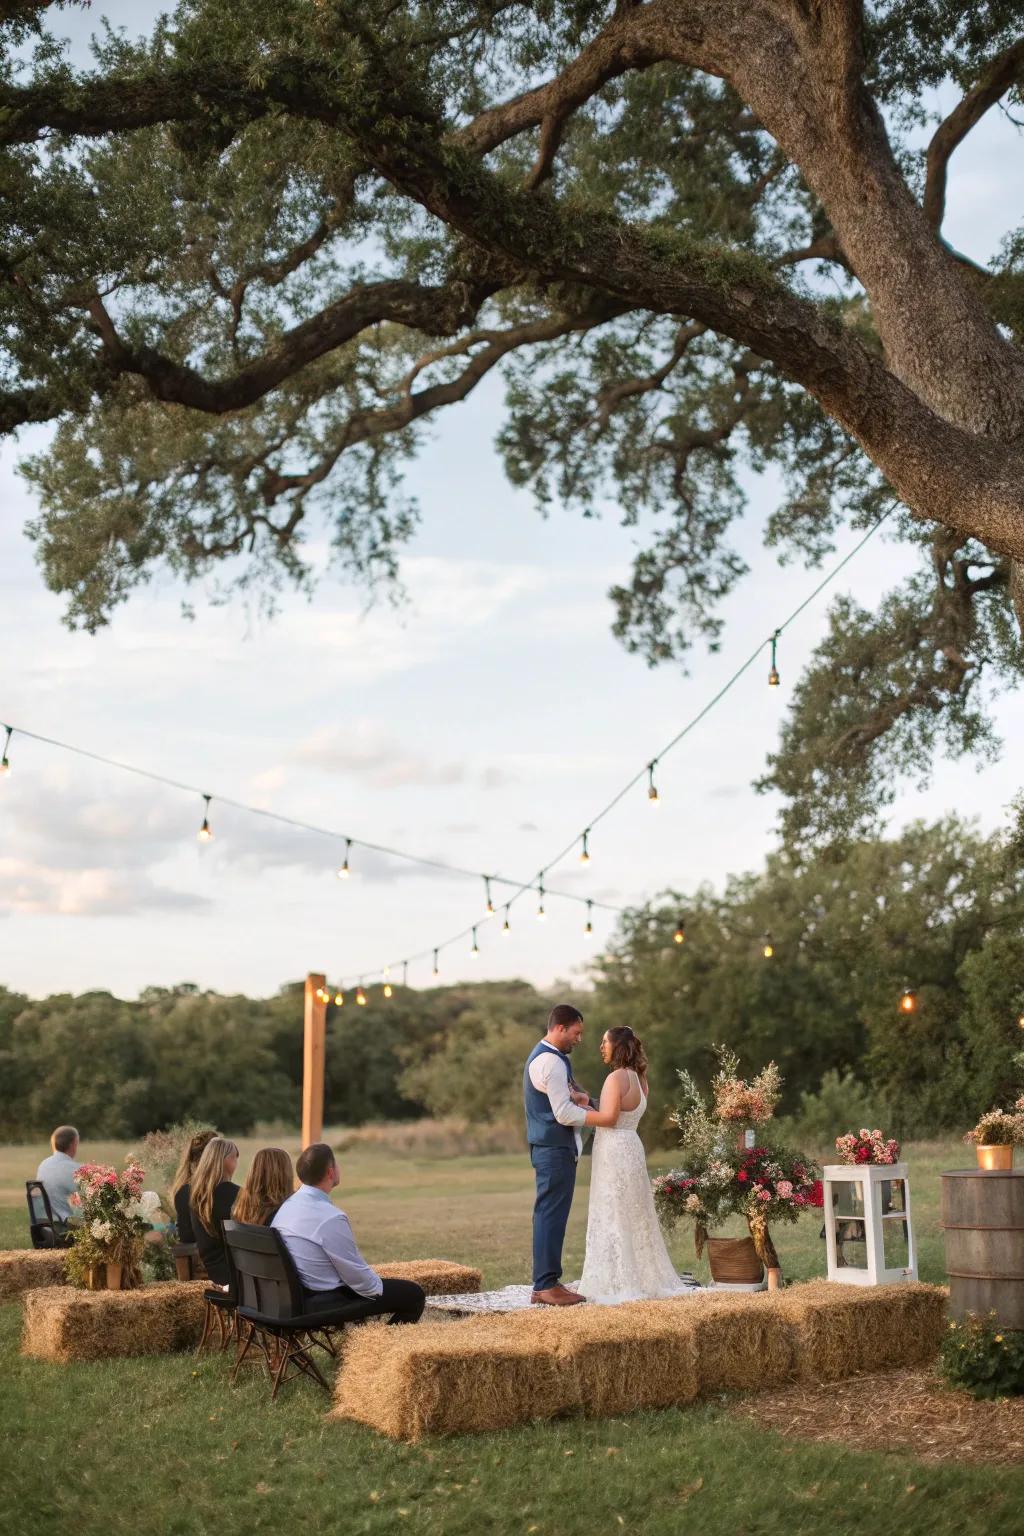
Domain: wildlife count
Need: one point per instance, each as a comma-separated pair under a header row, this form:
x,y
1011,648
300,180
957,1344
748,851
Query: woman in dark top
x,y
180,1189
213,1197
270,1181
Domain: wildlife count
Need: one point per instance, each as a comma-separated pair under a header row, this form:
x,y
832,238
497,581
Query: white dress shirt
x,y
57,1175
319,1238
549,1073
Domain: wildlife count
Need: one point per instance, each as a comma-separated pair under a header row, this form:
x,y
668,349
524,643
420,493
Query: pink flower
x,y
762,1193
784,1188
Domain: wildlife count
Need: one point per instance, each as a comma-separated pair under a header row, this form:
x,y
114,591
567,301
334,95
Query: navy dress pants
x,y
555,1172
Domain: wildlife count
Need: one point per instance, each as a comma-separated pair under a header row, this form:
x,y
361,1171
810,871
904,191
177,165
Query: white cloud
x,y
35,890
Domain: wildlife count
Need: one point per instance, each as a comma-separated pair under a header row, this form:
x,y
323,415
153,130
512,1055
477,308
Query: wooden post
x,y
313,1052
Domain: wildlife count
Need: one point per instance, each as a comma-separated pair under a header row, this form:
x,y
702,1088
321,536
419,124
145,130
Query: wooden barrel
x,y
983,1219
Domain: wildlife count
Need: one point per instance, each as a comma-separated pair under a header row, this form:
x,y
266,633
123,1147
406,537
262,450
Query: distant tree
x,y
247,259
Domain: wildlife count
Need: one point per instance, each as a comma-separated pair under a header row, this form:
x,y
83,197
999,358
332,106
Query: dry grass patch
x,y
843,1330
64,1324
28,1268
908,1409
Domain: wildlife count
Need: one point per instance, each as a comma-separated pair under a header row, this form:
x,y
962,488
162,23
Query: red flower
x,y
862,1154
817,1194
742,1177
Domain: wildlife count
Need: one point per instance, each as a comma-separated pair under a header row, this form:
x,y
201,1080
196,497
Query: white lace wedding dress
x,y
626,1257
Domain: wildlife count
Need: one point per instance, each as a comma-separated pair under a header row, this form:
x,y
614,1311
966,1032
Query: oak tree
x,y
248,258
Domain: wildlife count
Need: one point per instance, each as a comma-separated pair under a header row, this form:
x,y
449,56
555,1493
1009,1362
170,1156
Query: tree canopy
x,y
249,257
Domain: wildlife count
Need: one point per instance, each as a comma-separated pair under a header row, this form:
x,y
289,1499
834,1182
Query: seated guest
x,y
211,1203
181,1188
319,1238
56,1173
269,1183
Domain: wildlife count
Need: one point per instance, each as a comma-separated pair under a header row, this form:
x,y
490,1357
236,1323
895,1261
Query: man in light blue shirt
x,y
320,1240
57,1172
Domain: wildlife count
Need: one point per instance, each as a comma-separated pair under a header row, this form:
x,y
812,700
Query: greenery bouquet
x,y
764,1183
114,1212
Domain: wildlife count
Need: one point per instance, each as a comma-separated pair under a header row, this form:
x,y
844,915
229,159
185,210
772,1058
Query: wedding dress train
x,y
626,1258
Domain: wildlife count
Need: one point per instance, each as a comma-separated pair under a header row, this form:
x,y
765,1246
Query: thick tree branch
x,y
994,82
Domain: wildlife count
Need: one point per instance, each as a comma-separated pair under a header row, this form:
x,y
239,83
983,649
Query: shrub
x,y
983,1358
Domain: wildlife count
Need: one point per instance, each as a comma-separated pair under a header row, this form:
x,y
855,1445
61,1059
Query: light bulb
x,y
387,989
773,678
767,946
360,997
205,833
585,850
679,937
339,999
506,929
652,788
541,914
489,908
5,766
437,971
343,872
1020,1022
589,928
475,951
908,1002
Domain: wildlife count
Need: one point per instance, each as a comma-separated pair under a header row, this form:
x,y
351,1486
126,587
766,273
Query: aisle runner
x,y
511,1298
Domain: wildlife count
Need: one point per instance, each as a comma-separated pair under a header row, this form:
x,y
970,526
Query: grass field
x,y
165,1443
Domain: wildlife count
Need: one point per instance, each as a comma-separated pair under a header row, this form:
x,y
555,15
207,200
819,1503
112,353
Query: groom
x,y
556,1109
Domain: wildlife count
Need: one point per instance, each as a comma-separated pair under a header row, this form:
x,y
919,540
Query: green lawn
x,y
166,1444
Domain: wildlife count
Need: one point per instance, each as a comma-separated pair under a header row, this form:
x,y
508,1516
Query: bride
x,y
626,1258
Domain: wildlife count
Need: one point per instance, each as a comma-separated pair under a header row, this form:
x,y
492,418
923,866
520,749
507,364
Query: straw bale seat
x,y
492,1372
24,1269
63,1323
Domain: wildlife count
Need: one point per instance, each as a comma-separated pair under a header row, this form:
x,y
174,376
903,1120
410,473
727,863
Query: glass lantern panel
x,y
848,1198
851,1240
894,1197
895,1247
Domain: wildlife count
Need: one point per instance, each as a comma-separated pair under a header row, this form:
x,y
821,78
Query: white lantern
x,y
867,1224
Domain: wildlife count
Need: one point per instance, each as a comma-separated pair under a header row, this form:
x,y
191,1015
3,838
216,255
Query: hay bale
x,y
439,1378
842,1330
624,1358
742,1343
438,1277
63,1324
24,1269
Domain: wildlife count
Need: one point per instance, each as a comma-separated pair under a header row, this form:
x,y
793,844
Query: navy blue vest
x,y
542,1129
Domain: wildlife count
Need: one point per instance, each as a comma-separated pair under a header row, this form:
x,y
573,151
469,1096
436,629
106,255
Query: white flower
x,y
102,1231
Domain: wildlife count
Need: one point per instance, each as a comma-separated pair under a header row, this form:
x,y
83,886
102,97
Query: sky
x,y
482,723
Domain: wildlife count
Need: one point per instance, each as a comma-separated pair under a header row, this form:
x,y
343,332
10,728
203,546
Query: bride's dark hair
x,y
627,1049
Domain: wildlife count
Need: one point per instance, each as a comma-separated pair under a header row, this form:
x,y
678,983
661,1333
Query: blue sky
x,y
483,722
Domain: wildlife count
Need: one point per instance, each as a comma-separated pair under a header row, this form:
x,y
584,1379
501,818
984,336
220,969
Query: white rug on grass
x,y
511,1298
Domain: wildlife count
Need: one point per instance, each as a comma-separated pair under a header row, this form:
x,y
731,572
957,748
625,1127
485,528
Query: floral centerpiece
x,y
999,1128
764,1183
113,1213
867,1147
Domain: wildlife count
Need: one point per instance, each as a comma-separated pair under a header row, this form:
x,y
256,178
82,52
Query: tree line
x,y
938,909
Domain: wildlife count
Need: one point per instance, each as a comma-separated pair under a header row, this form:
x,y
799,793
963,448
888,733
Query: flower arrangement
x,y
768,1182
113,1213
867,1147
740,1101
999,1128
977,1355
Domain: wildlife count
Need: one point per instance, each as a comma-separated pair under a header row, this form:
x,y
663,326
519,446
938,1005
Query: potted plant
x,y
995,1136
113,1214
763,1183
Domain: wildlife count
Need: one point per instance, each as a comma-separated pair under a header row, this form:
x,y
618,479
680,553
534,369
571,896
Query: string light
x,y
585,850
773,675
652,788
588,930
908,1000
5,766
679,937
437,969
205,833
506,929
360,996
487,896
388,989
475,951
405,973
322,995
767,945
344,871
339,999
541,914
1020,1022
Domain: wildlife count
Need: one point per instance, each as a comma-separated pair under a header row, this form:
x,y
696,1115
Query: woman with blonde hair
x,y
212,1199
269,1182
191,1152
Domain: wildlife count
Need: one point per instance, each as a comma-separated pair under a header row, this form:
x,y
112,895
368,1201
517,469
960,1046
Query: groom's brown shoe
x,y
556,1296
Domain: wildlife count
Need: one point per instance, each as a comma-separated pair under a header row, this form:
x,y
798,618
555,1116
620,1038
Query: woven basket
x,y
734,1261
